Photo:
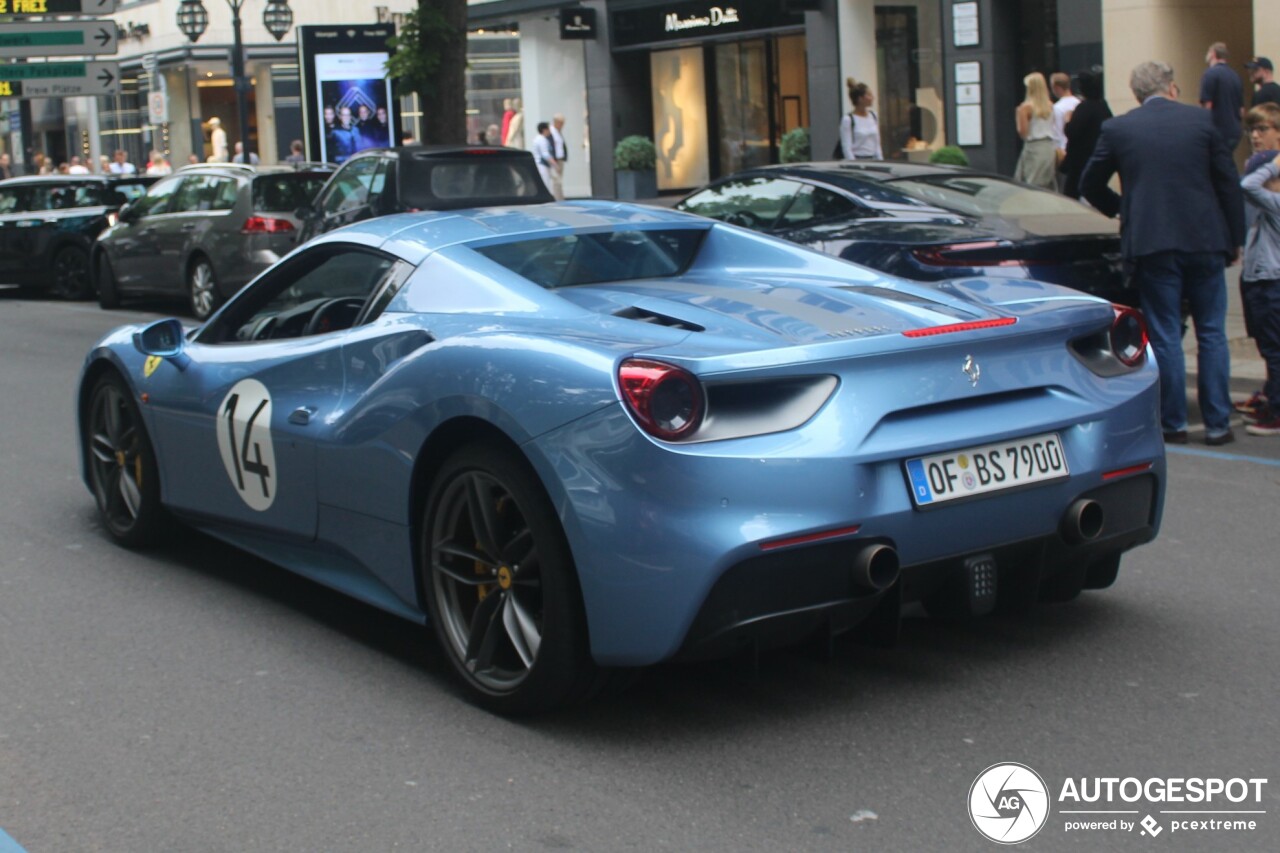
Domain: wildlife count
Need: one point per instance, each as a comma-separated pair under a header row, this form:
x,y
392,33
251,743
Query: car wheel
x,y
203,289
108,292
122,465
70,273
500,585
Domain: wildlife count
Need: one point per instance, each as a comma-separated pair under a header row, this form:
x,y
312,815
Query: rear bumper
x,y
668,540
781,598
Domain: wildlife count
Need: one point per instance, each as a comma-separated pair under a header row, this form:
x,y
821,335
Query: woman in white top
x,y
1039,158
860,129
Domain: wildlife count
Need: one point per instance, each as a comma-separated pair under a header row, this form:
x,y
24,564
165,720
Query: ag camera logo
x,y
1008,803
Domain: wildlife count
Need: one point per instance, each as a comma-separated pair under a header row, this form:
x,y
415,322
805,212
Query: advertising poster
x,y
347,104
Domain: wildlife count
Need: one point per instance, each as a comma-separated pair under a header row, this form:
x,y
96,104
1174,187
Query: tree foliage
x,y
429,57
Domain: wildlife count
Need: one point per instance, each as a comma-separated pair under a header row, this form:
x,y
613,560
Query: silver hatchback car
x,y
203,233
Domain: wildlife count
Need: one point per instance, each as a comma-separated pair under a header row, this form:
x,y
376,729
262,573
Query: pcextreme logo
x,y
1009,803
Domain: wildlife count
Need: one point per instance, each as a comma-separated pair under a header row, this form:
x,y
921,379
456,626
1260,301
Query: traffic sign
x,y
63,79
58,38
20,8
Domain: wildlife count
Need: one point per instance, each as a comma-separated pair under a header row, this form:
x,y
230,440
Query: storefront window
x,y
493,77
909,66
742,105
680,117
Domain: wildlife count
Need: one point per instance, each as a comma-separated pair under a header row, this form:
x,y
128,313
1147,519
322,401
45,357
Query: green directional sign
x,y
62,79
20,8
58,38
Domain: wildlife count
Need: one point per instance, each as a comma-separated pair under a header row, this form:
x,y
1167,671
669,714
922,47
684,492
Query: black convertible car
x,y
48,224
925,222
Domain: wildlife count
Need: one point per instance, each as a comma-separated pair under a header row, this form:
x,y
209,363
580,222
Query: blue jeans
x,y
1165,279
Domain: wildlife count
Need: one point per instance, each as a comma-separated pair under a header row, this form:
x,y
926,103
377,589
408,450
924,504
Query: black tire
x,y
70,274
122,466
108,292
202,289
500,585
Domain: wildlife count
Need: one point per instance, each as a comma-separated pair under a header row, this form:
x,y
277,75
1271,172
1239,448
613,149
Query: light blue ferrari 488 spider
x,y
583,437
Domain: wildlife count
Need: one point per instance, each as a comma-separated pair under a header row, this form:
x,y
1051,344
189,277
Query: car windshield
x,y
286,192
984,195
593,258
436,183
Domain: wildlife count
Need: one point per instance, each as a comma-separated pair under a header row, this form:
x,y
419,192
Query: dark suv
x,y
48,225
203,233
381,181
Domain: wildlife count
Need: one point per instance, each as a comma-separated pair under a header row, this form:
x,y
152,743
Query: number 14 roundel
x,y
244,440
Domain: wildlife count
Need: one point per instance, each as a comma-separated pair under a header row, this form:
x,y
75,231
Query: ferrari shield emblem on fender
x,y
972,369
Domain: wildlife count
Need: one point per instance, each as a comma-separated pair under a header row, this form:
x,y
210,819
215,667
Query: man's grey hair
x,y
1150,78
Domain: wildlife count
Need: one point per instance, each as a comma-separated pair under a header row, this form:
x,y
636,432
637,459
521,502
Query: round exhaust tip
x,y
1083,521
876,567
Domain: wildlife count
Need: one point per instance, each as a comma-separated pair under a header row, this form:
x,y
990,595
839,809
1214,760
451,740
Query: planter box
x,y
631,186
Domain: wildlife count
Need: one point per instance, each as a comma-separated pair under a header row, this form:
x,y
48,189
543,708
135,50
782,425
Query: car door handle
x,y
302,415
190,226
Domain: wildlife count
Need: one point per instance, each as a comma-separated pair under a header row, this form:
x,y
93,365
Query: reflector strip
x,y
1124,472
960,327
810,537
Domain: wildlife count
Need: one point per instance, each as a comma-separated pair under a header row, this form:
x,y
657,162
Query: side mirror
x,y
163,339
130,213
306,213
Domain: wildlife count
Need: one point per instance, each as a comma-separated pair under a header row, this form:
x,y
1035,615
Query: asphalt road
x,y
197,699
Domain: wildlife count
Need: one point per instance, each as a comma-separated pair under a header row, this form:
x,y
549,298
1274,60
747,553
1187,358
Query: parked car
x,y
590,434
202,233
926,222
48,225
381,181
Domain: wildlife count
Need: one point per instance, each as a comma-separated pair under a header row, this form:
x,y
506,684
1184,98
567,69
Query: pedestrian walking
x,y
295,153
1082,129
239,155
1222,94
543,153
1262,75
217,141
6,166
77,166
1038,161
1260,273
1064,104
561,155
860,128
1181,220
121,165
159,165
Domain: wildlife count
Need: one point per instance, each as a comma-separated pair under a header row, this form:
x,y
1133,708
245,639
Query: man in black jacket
x,y
1181,221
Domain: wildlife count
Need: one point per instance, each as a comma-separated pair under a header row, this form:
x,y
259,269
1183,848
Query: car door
x,y
346,198
238,424
135,242
14,199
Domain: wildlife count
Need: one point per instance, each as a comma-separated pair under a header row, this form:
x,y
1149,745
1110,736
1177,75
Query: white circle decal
x,y
1008,803
244,440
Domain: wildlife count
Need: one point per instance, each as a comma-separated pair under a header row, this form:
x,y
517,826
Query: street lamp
x,y
193,19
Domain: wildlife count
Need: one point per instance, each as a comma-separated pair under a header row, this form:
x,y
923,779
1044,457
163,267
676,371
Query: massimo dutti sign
x,y
682,21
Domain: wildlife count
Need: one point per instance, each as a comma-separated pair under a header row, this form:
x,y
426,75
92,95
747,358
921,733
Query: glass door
x,y
742,105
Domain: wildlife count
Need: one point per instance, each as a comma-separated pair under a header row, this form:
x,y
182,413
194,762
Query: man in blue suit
x,y
1181,222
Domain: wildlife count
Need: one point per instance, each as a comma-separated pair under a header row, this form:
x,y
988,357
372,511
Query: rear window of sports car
x,y
599,257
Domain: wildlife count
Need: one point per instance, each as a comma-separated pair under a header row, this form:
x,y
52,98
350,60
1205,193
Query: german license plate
x,y
989,468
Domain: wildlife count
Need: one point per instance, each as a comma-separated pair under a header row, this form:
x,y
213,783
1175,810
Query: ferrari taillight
x,y
1128,335
666,401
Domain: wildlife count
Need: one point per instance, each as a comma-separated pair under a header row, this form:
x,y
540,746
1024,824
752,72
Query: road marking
x,y
8,845
1218,454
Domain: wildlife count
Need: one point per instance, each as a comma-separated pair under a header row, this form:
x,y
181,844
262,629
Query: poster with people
x,y
347,102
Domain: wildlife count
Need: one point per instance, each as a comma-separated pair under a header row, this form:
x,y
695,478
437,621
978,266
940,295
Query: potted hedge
x,y
795,146
634,162
949,155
